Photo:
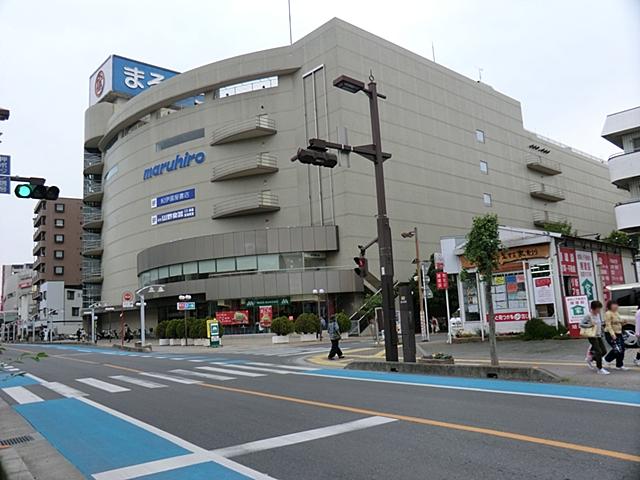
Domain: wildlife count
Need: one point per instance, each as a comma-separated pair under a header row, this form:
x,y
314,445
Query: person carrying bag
x,y
591,328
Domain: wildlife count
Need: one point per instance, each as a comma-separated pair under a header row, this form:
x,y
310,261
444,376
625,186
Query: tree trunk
x,y
493,350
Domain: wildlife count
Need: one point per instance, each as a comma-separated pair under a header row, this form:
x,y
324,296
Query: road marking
x,y
126,369
99,384
162,376
176,358
63,389
259,369
210,376
435,423
197,360
233,372
22,395
138,381
288,367
76,359
301,437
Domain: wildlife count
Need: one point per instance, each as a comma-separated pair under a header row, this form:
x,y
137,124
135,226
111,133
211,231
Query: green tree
x,y
620,238
564,228
482,248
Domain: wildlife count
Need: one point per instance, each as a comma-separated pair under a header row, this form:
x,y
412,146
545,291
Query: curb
x,y
145,349
12,467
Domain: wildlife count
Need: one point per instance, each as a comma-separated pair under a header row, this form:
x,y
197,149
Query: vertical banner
x,y
266,316
586,274
568,266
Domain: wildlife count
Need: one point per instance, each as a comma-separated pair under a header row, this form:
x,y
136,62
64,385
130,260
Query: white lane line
x,y
138,381
233,372
63,389
203,375
249,367
176,358
186,381
197,360
99,384
22,395
176,462
301,437
288,367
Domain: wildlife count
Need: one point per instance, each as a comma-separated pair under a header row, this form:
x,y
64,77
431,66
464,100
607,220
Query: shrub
x,y
161,329
307,323
179,328
537,329
281,326
171,329
343,322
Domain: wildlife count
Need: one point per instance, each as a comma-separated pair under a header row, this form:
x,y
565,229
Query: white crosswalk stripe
x,y
288,367
258,369
102,385
138,381
22,395
210,376
232,372
64,390
170,378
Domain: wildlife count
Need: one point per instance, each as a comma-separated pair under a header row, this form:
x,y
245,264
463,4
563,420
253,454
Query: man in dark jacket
x,y
333,331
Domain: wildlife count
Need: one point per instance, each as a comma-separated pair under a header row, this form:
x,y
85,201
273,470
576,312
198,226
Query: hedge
x,y
282,326
344,322
537,329
307,323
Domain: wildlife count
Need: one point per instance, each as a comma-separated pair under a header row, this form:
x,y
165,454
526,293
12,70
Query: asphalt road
x,y
259,416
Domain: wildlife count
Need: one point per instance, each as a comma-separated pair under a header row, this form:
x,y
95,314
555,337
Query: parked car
x,y
628,297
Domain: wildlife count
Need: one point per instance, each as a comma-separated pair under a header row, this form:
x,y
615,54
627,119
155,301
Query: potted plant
x,y
282,327
161,332
171,333
307,325
344,322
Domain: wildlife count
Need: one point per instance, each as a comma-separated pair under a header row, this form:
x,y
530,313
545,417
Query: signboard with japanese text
x,y
182,306
442,281
187,212
5,185
233,317
5,165
174,197
266,316
127,299
576,308
543,290
213,332
568,265
515,254
586,274
438,261
610,270
511,317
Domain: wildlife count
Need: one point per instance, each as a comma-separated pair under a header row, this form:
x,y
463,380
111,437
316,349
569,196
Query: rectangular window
x,y
290,261
75,311
178,139
59,222
250,262
60,207
190,268
226,264
486,197
207,266
484,167
635,143
268,262
58,270
175,270
71,295
58,254
480,136
244,87
153,275
163,273
59,238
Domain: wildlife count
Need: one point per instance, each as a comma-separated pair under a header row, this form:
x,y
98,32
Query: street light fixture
x,y
348,84
140,293
185,298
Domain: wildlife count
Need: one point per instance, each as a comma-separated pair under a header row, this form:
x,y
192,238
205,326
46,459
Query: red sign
x,y
127,297
574,284
512,317
442,281
611,272
25,284
233,317
568,264
266,315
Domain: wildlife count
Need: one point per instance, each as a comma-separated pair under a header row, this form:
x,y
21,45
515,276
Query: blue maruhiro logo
x,y
181,161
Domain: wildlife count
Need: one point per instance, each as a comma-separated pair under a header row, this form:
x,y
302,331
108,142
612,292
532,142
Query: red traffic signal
x,y
362,266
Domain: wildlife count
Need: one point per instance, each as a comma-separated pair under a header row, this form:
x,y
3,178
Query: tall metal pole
x,y
93,324
142,319
424,329
384,234
424,295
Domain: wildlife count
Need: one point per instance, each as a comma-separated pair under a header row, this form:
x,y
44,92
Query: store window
x,y
290,261
268,262
207,266
471,298
163,273
226,264
250,262
509,292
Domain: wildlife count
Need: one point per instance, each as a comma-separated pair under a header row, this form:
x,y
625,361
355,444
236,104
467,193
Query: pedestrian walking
x,y
637,360
78,335
323,326
613,335
591,328
333,330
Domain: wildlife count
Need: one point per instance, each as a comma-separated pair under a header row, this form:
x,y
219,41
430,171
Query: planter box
x,y
308,337
280,339
344,336
202,342
163,342
436,361
174,341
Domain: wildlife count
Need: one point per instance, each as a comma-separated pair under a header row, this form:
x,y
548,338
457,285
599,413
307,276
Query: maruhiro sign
x,y
171,165
174,197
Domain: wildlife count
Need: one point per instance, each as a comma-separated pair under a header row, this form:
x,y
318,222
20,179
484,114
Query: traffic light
x,y
38,192
316,154
362,266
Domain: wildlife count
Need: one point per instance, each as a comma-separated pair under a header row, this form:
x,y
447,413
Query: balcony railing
x,y
258,126
545,192
628,216
540,219
91,271
624,169
245,166
92,163
92,247
543,165
91,218
247,204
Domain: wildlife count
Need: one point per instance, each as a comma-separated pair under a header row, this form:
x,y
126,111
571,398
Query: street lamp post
x,y
318,292
185,298
423,320
93,307
141,292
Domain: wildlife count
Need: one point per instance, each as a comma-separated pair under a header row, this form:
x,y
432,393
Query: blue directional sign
x,y
175,197
161,218
5,185
5,165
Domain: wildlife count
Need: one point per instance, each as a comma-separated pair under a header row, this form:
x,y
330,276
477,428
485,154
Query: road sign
x,y
5,165
429,292
128,299
5,185
438,259
181,306
442,281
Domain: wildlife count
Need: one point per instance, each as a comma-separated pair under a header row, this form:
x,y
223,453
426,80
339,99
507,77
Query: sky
x,y
569,63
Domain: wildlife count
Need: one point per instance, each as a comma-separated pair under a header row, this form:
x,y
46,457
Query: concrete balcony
x,y
546,192
37,247
91,218
628,216
258,126
543,165
541,219
624,168
621,123
92,190
92,247
93,163
259,164
246,204
91,271
38,235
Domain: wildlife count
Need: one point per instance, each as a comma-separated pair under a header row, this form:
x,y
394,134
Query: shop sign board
x,y
568,265
233,317
266,315
259,302
586,274
610,270
182,306
511,317
543,290
577,307
442,281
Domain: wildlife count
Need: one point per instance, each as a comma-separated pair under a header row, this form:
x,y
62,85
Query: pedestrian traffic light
x,y
362,266
38,192
320,158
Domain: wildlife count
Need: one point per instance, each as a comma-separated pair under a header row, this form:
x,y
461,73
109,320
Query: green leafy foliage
x,y
307,323
282,326
343,322
537,329
36,357
621,238
179,328
564,228
170,331
161,329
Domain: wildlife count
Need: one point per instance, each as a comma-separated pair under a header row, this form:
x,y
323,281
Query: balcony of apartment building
x,y
92,270
624,169
92,188
539,163
257,126
542,219
248,165
91,218
39,235
40,207
40,219
91,293
548,193
38,264
92,244
38,249
93,163
246,204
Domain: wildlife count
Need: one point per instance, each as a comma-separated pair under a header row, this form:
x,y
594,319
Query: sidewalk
x,y
565,358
